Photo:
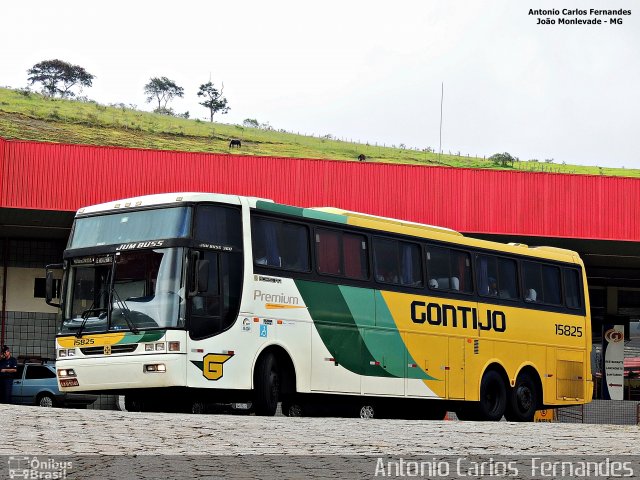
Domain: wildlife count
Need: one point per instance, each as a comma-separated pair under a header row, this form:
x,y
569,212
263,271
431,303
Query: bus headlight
x,y
148,347
155,368
174,346
66,372
62,353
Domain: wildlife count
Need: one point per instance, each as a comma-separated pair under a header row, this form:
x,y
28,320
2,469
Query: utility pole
x,y
441,100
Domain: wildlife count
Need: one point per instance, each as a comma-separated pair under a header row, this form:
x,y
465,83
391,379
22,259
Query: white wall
x,y
20,285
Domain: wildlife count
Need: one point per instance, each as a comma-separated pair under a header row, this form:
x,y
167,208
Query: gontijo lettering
x,y
458,317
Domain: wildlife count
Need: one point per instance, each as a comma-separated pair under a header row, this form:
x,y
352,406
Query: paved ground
x,y
38,431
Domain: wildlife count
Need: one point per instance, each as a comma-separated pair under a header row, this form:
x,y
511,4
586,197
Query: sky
x,y
369,71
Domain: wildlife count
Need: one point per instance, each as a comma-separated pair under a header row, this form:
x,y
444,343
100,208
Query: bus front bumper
x,y
122,373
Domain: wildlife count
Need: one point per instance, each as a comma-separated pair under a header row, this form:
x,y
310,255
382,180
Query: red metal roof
x,y
49,176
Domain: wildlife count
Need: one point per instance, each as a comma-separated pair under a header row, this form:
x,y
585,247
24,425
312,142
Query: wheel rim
x,y
46,402
524,398
367,411
295,410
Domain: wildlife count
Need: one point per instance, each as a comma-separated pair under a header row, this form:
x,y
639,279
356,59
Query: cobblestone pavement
x,y
39,431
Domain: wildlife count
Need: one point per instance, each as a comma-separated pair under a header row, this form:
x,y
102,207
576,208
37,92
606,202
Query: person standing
x,y
8,367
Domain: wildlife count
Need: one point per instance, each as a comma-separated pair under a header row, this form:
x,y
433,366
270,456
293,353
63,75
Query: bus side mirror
x,y
202,276
49,285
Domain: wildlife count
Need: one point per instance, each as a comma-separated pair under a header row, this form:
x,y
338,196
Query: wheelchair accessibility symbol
x,y
263,331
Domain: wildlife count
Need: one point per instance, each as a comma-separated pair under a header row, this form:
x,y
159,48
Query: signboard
x,y
613,362
546,415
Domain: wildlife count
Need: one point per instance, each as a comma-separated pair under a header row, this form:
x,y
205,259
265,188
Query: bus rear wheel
x,y
293,409
367,411
523,399
266,386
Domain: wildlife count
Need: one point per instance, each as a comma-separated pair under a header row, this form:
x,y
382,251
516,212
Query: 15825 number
x,y
568,330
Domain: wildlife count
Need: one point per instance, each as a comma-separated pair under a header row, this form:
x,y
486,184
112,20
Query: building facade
x,y
43,184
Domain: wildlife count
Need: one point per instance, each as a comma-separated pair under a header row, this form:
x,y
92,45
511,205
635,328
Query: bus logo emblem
x,y
212,365
107,349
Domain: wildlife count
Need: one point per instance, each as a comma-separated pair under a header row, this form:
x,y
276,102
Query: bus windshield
x,y
128,227
135,290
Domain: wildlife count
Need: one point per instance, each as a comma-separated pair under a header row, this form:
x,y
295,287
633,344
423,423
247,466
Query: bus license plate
x,y
69,382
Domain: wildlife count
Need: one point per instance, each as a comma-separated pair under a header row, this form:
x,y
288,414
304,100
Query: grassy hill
x,y
31,116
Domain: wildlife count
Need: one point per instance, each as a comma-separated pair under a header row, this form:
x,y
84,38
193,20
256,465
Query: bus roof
x,y
165,199
414,229
341,216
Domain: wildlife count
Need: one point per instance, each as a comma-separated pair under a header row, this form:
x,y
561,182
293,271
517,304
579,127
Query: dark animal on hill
x,y
235,143
361,157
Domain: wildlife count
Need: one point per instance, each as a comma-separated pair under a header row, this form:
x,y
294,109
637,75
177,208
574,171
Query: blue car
x,y
36,384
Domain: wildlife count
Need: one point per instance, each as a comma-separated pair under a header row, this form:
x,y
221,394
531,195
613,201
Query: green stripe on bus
x,y
301,212
327,217
152,336
394,341
338,329
279,208
380,334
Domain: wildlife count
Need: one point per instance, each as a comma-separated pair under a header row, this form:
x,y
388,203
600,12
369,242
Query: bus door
x,y
456,367
214,299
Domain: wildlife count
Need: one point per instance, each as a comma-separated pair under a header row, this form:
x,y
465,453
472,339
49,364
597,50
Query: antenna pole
x,y
441,101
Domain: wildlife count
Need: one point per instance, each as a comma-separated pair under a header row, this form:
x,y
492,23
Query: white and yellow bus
x,y
189,298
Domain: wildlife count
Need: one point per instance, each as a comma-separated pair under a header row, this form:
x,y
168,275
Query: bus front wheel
x,y
133,403
493,400
523,399
266,386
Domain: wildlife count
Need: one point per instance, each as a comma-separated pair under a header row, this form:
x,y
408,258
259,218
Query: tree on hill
x,y
502,159
213,99
59,77
251,123
163,91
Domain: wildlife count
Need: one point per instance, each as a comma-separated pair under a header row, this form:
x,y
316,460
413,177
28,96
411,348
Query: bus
x,y
182,300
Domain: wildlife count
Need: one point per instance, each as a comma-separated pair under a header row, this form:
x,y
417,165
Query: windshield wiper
x,y
124,310
85,315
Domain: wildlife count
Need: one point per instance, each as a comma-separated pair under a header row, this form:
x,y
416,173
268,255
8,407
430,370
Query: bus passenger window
x,y
410,264
341,253
397,262
328,250
385,254
507,278
497,277
544,280
438,267
449,269
487,276
532,281
552,289
461,272
280,244
294,245
572,288
218,225
356,264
